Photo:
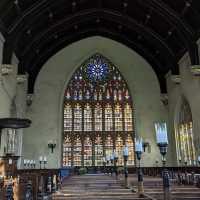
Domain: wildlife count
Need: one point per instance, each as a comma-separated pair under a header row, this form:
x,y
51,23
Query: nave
x,y
100,186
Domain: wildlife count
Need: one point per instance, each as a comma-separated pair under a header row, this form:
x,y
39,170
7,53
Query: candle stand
x,y
165,174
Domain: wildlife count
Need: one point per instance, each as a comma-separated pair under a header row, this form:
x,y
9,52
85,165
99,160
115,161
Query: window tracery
x,y
97,104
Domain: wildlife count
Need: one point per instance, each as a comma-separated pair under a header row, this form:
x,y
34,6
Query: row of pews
x,y
35,184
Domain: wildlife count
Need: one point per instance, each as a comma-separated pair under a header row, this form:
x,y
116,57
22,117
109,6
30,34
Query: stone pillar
x,y
20,101
174,95
8,82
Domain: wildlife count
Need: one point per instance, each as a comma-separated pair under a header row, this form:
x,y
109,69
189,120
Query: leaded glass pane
x,y
128,118
67,151
87,118
119,150
108,118
77,118
87,152
129,143
67,117
98,152
98,117
118,118
77,152
109,147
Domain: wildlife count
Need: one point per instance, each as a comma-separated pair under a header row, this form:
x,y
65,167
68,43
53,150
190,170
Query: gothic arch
x,y
97,107
183,129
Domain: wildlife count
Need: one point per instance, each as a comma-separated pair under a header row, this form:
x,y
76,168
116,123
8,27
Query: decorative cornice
x,y
21,78
176,79
6,69
164,98
195,70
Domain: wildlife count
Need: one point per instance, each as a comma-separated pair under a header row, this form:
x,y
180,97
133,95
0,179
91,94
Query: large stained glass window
x,y
184,135
97,114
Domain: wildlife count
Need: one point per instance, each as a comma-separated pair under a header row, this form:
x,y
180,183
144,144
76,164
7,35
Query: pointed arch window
x,y
184,135
97,107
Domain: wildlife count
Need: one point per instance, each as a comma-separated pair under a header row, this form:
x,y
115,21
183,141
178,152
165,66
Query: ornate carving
x,y
6,69
21,78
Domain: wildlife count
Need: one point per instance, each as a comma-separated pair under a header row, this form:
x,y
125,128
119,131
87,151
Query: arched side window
x,y
97,108
184,135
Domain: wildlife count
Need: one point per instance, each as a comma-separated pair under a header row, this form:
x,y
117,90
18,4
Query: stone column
x,y
20,101
8,82
174,95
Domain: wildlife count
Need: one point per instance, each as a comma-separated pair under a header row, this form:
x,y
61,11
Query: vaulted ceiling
x,y
159,30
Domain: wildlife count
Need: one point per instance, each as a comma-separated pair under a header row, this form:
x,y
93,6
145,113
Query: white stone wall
x,y
46,109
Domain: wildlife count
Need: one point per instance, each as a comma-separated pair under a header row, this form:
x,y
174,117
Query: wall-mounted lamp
x,y
52,145
145,145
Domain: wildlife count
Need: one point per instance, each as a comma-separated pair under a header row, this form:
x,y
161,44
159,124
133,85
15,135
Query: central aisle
x,y
94,187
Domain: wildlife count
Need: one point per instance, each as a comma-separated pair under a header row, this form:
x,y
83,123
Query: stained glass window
x,y
119,150
108,118
109,146
67,151
87,118
98,151
77,118
98,117
77,152
67,117
129,143
128,118
97,107
97,69
87,152
184,135
118,118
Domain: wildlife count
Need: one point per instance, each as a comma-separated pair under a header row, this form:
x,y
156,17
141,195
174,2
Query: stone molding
x,y
195,70
6,69
176,79
21,78
164,98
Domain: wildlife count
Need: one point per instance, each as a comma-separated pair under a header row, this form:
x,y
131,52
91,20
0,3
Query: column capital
x,y
176,79
6,69
195,70
21,78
